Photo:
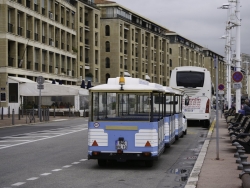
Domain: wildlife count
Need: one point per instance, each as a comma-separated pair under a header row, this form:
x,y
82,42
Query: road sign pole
x,y
217,110
40,115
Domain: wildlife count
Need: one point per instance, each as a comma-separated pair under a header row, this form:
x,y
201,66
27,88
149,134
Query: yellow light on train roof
x,y
122,81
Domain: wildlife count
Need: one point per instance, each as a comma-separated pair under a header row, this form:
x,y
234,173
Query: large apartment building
x,y
56,39
131,43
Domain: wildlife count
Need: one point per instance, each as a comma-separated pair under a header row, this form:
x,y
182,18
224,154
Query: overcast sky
x,y
197,20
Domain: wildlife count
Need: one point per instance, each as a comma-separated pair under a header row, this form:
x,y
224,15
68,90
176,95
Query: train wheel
x,y
102,163
149,163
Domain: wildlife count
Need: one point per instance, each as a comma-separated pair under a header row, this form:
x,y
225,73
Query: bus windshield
x,y
190,79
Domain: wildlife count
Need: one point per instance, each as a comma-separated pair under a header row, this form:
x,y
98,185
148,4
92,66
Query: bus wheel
x,y
102,163
149,163
185,132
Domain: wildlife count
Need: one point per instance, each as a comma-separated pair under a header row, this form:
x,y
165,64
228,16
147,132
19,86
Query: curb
x,y
194,175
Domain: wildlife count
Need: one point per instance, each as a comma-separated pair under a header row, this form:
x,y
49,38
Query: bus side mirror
x,y
187,101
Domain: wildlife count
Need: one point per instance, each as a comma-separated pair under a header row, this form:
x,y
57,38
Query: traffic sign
x,y
221,87
40,80
40,86
237,76
221,92
237,85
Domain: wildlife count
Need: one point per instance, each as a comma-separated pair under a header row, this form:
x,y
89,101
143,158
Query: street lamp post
x,y
245,62
238,58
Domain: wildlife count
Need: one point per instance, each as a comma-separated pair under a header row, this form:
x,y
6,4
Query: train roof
x,y
130,85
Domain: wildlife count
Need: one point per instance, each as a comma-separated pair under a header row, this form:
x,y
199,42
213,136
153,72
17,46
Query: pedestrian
x,y
246,107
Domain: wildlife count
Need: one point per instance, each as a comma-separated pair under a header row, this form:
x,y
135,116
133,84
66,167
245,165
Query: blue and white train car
x,y
169,125
124,123
178,117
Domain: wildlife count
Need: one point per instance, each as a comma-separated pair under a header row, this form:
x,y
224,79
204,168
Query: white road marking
x,y
56,170
83,159
67,166
33,178
18,184
60,119
45,174
59,134
75,163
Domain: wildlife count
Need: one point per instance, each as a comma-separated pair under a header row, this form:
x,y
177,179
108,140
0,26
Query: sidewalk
x,y
7,122
209,172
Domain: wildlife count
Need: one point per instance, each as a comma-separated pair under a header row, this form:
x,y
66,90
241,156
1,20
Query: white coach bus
x,y
197,85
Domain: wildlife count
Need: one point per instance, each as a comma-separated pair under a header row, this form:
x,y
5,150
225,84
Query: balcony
x,y
19,31
36,36
43,67
29,65
28,34
28,3
10,61
36,7
43,11
36,66
10,27
43,39
51,43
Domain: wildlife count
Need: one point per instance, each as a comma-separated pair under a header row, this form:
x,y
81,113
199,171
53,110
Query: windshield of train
x,y
190,79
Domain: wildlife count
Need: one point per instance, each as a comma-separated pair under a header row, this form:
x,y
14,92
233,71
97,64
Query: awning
x,y
29,88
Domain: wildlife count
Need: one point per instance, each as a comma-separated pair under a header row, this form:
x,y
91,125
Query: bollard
x,y
48,114
239,147
9,112
13,118
246,166
33,115
243,159
44,114
69,111
54,111
26,117
241,152
2,113
19,113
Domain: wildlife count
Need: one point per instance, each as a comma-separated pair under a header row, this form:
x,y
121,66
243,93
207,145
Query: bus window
x,y
195,79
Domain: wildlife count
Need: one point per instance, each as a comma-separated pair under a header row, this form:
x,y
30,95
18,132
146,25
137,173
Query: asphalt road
x,y
55,155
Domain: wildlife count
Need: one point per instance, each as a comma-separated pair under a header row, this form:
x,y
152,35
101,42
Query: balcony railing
x,y
36,36
20,31
28,34
10,27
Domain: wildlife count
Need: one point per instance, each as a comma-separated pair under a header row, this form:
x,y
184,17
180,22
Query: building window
x,y
107,30
107,46
107,77
170,50
107,62
170,62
